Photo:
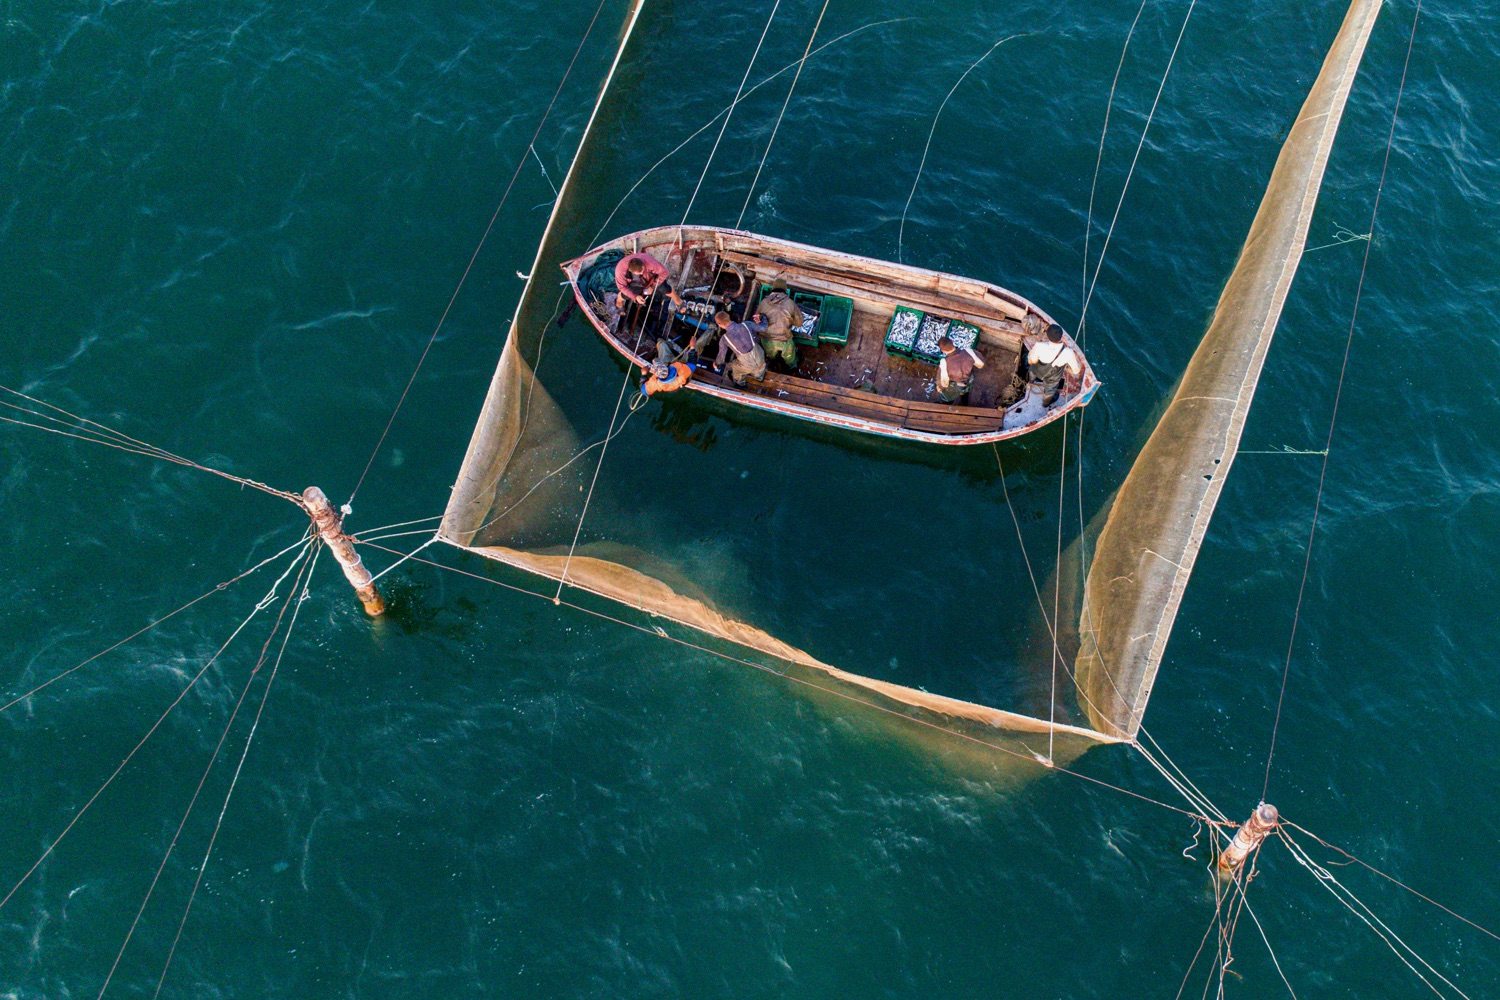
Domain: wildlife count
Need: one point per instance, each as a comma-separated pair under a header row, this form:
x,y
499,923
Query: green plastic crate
x,y
812,307
900,341
833,327
810,304
925,347
963,334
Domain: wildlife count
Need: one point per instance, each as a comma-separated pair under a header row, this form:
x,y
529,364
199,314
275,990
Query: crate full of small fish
x,y
933,329
902,333
812,307
963,334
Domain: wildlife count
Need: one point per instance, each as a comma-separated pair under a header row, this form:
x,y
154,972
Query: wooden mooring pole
x,y
1250,836
331,526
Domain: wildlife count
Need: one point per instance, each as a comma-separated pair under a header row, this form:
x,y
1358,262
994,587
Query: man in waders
x,y
739,338
639,277
1048,361
781,315
956,371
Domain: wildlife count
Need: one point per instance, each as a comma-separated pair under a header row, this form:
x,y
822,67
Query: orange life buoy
x,y
681,372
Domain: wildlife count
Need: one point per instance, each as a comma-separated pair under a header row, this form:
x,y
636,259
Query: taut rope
x,y
520,162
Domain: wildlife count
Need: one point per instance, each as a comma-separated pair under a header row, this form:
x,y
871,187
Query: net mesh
x,y
525,482
1158,519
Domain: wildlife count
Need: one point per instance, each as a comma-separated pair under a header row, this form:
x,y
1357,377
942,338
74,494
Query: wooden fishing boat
x,y
855,371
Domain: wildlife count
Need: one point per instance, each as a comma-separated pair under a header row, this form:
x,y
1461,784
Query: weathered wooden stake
x,y
331,526
1256,829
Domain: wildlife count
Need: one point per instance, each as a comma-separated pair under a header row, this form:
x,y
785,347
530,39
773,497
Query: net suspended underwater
x,y
527,482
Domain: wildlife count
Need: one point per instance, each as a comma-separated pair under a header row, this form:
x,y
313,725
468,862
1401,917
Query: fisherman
x,y
739,338
1048,361
670,371
782,315
639,277
956,370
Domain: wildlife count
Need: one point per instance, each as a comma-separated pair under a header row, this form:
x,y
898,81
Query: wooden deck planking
x,y
864,359
898,391
860,380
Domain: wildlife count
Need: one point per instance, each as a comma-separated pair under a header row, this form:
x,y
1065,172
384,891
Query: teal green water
x,y
230,229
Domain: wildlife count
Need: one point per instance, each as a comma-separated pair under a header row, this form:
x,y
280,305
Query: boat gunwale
x,y
1088,381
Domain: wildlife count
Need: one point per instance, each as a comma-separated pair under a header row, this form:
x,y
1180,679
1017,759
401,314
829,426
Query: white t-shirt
x,y
1048,353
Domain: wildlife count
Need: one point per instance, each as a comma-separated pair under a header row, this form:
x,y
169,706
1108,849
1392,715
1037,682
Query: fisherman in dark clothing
x,y
749,359
956,370
1048,361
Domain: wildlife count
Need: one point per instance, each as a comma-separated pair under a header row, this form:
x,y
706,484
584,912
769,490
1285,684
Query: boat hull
x,y
877,288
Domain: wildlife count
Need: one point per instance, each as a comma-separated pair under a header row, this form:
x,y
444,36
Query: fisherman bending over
x,y
1048,361
739,338
639,277
666,375
782,315
956,370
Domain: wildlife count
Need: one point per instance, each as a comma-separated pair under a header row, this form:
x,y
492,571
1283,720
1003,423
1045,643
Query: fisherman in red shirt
x,y
638,277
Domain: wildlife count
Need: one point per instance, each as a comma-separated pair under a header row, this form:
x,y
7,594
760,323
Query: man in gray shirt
x,y
739,339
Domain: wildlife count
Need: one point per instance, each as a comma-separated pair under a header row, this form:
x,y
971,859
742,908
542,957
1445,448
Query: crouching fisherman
x,y
639,278
956,370
749,359
666,374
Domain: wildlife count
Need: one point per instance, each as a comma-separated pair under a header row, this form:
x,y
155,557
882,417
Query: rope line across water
x,y
295,600
1390,878
520,163
1338,394
777,127
709,124
84,429
177,834
1130,174
1367,916
738,96
1033,758
142,631
901,231
1178,780
261,605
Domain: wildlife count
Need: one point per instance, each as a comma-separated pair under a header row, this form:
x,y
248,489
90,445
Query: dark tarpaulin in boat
x,y
1156,525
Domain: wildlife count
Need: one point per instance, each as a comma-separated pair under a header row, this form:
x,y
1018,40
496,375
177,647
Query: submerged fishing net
x,y
1156,525
525,485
